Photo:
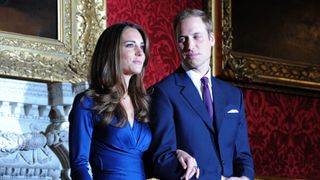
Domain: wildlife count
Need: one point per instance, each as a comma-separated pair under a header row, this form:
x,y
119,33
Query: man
x,y
215,133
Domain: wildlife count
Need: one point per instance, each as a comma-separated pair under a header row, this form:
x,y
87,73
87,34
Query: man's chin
x,y
191,62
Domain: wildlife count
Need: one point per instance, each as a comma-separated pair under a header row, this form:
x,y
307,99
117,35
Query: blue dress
x,y
113,152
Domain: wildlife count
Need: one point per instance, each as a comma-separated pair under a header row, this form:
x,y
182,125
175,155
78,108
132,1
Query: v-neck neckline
x,y
133,124
135,131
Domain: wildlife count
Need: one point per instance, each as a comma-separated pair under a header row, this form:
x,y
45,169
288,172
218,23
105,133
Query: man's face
x,y
194,44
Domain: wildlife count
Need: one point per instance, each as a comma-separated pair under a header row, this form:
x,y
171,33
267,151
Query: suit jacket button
x,y
222,162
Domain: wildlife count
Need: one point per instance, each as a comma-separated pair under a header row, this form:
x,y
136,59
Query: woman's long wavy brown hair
x,y
107,85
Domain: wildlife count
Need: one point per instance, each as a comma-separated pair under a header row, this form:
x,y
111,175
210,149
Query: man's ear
x,y
212,39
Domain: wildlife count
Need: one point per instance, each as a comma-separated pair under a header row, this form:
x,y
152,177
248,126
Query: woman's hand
x,y
189,164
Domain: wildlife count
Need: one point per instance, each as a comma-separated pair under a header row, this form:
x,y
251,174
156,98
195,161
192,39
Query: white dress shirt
x,y
196,79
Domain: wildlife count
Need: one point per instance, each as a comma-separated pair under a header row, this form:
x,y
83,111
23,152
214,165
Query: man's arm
x,y
163,146
243,162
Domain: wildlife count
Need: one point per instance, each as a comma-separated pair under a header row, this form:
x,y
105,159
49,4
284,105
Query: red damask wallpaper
x,y
156,17
284,130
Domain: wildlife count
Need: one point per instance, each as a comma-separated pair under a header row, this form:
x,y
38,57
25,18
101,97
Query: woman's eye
x,y
129,45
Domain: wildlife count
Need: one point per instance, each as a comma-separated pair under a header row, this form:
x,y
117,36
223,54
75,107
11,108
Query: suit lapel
x,y
191,95
218,102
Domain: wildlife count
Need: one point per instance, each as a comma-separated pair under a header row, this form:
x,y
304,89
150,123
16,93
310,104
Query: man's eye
x,y
197,37
181,39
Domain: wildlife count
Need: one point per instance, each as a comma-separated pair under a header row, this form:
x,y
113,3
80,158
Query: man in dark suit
x,y
213,134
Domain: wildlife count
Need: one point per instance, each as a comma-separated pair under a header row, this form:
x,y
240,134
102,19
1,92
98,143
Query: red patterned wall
x,y
156,17
284,130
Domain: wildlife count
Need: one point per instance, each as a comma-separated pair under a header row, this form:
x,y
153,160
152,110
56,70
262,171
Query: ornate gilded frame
x,y
256,71
63,60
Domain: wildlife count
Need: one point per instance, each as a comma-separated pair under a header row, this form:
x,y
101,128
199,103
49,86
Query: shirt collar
x,y
195,76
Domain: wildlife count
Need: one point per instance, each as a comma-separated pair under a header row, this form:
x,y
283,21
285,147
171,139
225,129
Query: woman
x,y
108,122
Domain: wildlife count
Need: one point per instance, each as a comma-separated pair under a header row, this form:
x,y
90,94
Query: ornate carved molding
x,y
226,31
255,67
35,134
12,142
29,173
65,59
241,67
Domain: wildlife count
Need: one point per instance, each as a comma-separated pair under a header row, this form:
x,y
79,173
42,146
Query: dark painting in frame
x,y
248,54
61,59
32,17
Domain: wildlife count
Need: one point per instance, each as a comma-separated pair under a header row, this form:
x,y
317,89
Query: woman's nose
x,y
139,51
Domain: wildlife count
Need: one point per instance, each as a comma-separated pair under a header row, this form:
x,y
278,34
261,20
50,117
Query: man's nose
x,y
189,44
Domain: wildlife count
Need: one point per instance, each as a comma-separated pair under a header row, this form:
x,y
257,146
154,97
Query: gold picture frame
x,y
64,59
256,71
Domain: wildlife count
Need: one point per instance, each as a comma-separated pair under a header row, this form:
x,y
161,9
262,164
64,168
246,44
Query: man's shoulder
x,y
223,82
225,85
166,81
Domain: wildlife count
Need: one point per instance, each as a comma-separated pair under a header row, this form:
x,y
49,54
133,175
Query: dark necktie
x,y
206,96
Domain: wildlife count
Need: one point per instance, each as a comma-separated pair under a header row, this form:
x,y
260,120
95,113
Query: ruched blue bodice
x,y
113,152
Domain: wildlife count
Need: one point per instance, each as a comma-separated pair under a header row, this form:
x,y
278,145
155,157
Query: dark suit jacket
x,y
179,120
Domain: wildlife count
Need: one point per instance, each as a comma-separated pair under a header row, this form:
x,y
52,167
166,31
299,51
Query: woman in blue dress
x,y
108,122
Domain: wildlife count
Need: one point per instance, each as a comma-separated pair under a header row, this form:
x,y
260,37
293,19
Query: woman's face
x,y
132,54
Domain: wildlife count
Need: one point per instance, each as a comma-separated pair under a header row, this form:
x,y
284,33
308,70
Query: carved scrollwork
x,y
55,137
255,68
226,30
92,15
12,142
9,143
